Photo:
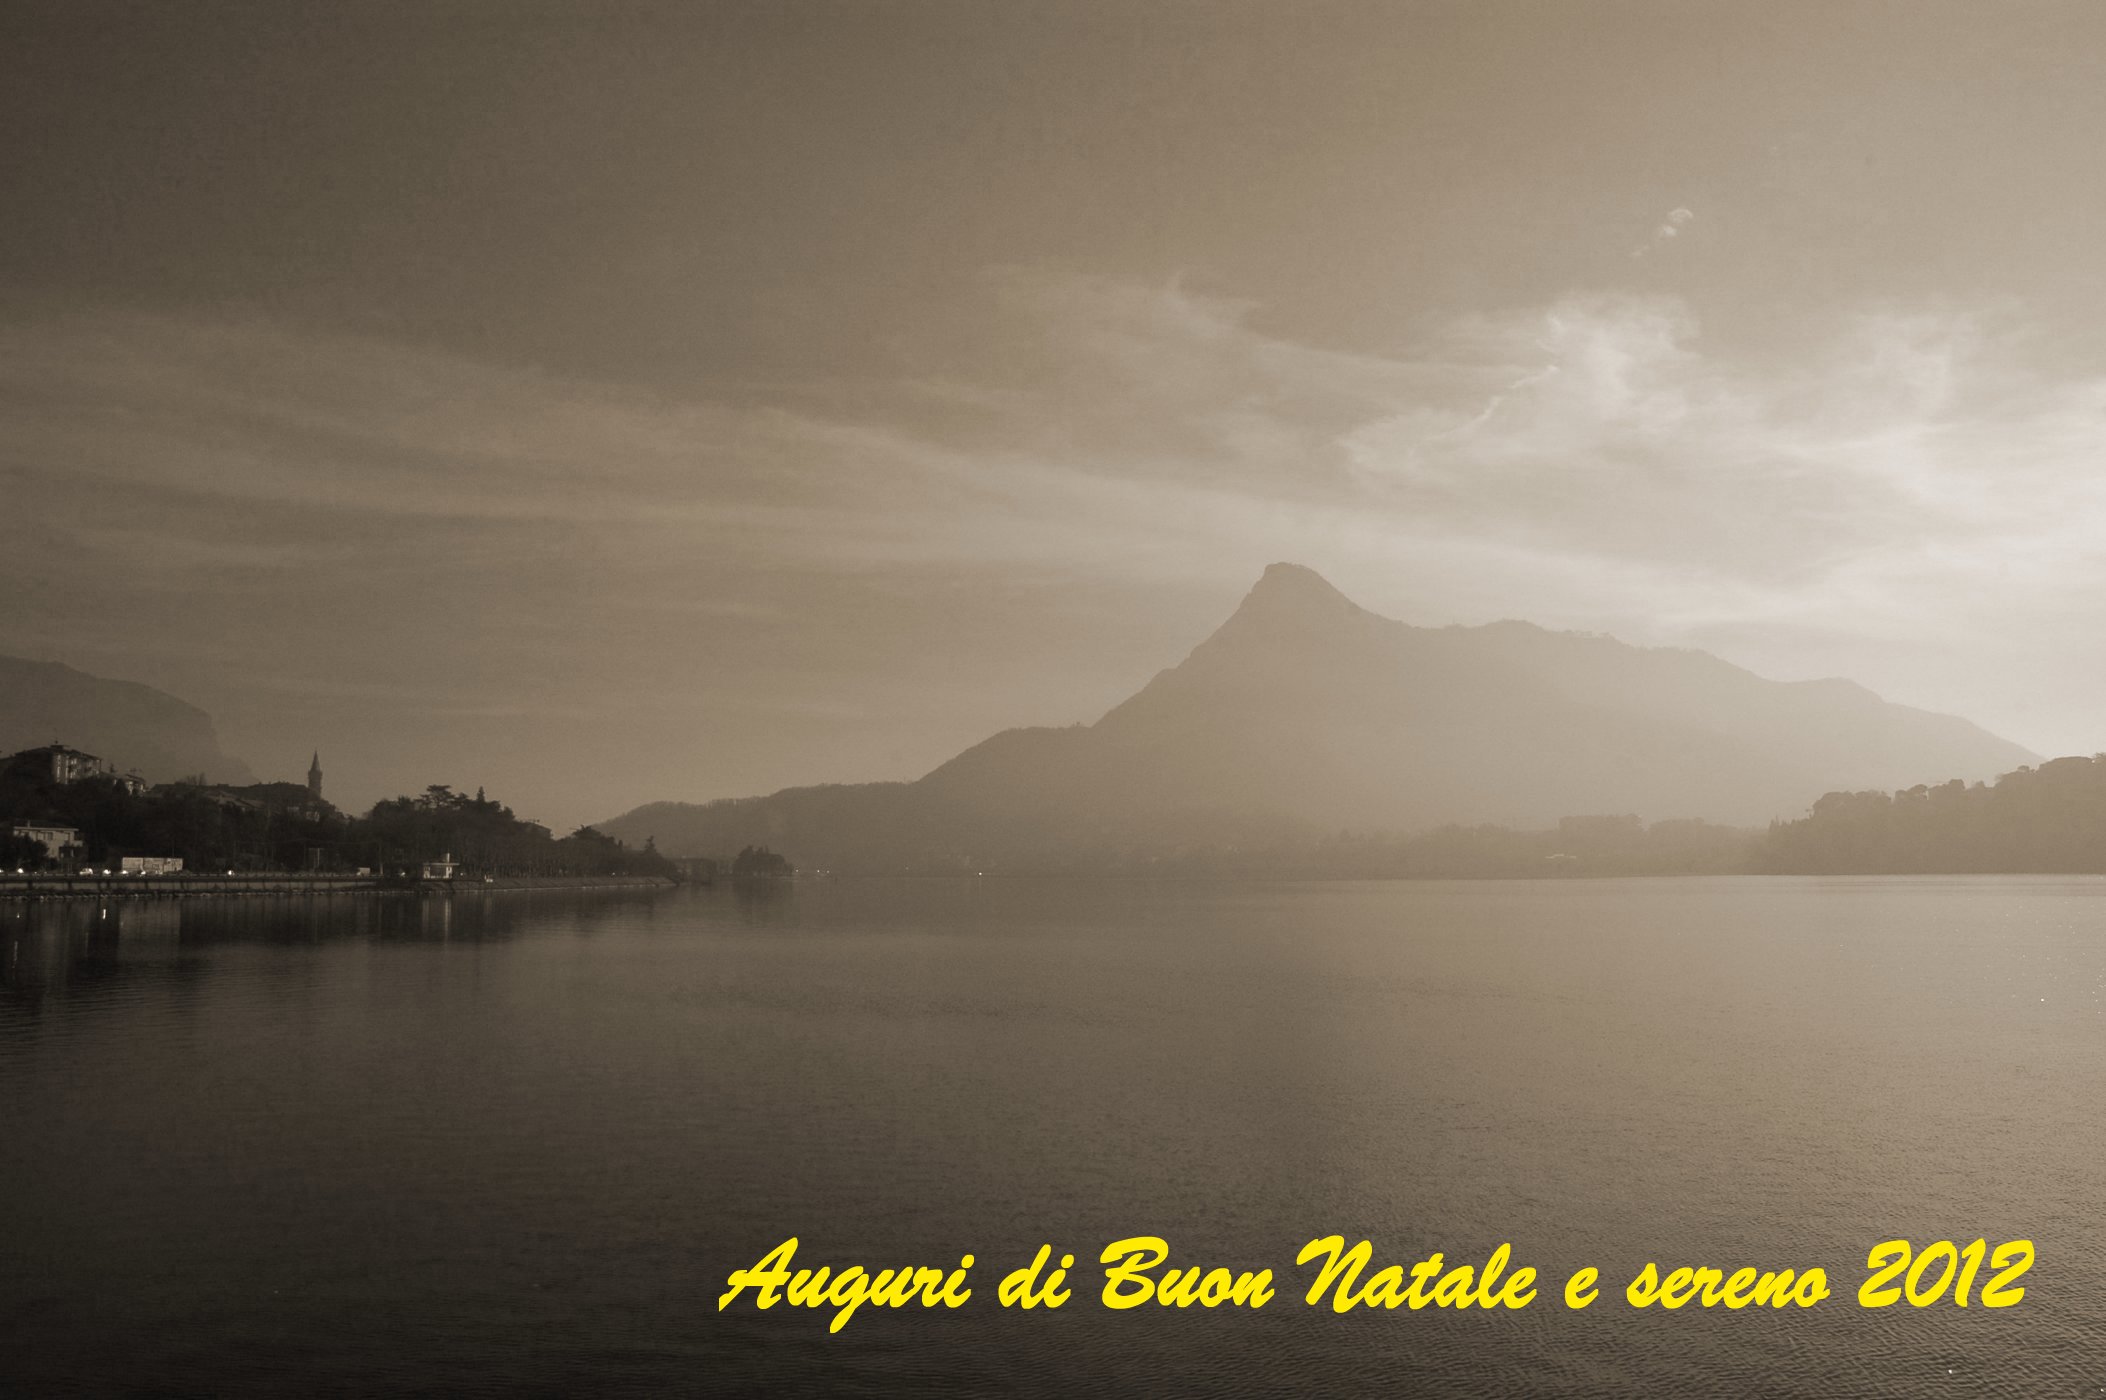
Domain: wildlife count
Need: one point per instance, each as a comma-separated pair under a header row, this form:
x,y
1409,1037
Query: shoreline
x,y
55,886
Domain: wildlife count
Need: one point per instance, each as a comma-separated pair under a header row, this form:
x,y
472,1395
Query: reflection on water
x,y
50,946
515,1143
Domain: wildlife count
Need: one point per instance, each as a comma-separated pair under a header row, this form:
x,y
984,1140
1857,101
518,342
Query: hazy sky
x,y
600,404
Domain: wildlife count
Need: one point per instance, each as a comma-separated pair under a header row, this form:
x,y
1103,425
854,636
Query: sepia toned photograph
x,y
1248,698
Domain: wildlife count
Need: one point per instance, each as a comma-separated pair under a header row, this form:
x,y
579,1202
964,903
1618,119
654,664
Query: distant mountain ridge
x,y
134,726
1306,713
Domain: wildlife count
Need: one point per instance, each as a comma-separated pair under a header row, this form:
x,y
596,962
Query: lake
x,y
515,1144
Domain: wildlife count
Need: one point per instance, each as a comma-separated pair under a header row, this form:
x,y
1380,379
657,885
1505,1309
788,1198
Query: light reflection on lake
x,y
516,1142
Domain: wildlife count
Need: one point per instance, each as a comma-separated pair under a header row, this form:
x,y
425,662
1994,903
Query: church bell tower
x,y
314,777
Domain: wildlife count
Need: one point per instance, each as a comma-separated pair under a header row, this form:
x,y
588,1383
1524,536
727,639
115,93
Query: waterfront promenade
x,y
52,885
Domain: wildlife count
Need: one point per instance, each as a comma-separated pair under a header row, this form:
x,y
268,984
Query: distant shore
x,y
63,886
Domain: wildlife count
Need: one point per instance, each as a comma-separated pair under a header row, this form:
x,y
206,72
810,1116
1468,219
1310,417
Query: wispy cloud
x,y
1665,232
1901,498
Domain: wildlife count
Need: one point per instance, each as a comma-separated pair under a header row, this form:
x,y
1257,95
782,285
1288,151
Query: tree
x,y
758,862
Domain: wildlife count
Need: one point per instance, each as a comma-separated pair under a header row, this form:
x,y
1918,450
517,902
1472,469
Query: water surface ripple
x,y
513,1145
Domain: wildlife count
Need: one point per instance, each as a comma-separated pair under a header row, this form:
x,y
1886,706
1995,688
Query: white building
x,y
152,865
59,842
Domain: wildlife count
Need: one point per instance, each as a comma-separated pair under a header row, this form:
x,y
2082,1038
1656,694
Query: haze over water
x,y
517,1144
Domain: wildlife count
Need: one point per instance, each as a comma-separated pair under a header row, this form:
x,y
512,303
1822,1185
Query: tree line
x,y
2047,820
277,827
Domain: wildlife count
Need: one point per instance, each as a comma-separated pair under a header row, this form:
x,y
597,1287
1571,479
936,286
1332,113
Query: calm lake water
x,y
515,1144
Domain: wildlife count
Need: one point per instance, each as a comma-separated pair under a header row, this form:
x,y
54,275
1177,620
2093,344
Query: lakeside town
x,y
67,813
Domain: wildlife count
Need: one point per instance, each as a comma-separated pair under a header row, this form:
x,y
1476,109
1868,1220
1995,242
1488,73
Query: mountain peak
x,y
1295,590
1304,715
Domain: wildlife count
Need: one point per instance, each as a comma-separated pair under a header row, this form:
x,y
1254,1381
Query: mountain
x,y
1305,713
134,726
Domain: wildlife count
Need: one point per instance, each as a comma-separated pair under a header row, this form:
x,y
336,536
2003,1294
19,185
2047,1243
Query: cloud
x,y
1904,495
1664,232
